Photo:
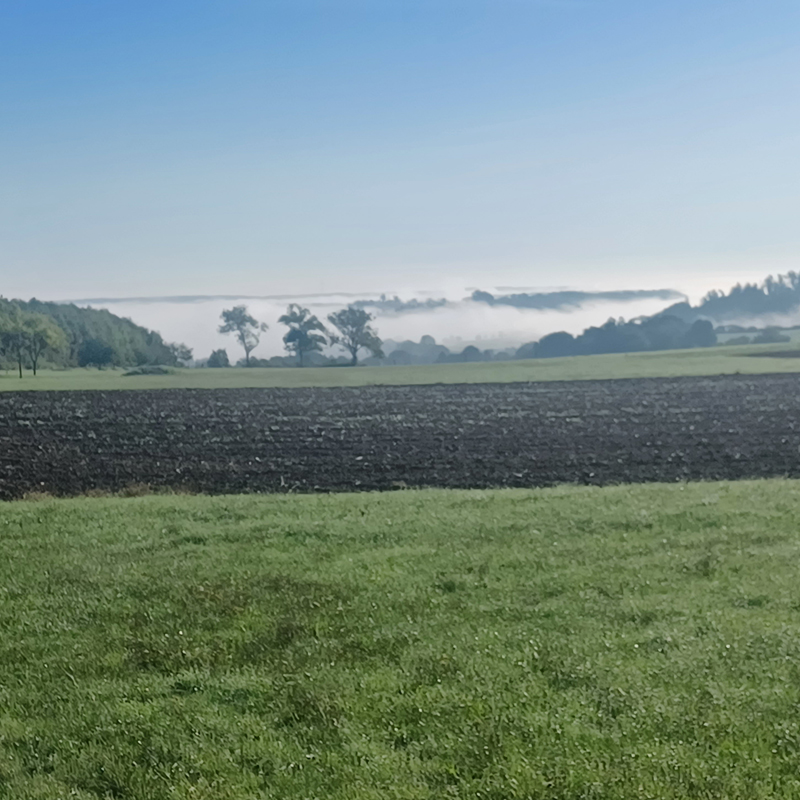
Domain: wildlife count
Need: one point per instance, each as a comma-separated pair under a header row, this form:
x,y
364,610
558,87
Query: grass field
x,y
632,642
664,364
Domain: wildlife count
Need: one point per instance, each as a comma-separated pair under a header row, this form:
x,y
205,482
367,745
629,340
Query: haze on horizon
x,y
290,147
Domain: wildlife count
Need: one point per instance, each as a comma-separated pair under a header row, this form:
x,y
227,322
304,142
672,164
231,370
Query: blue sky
x,y
176,147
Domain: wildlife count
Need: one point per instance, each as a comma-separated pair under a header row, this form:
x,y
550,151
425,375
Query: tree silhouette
x,y
248,330
180,352
218,359
95,353
301,338
355,332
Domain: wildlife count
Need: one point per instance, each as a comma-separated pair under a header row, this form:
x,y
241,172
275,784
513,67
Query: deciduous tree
x,y
14,336
302,336
355,332
180,352
218,359
42,335
93,353
248,330
26,336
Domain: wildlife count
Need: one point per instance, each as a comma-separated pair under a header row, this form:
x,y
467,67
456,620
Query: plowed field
x,y
477,435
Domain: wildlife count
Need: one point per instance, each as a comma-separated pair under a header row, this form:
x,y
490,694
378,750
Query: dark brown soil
x,y
481,435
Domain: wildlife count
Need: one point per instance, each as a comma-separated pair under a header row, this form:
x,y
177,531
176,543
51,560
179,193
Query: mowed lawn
x,y
662,364
630,642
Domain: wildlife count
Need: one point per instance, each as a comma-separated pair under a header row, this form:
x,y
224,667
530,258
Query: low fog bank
x,y
195,320
762,321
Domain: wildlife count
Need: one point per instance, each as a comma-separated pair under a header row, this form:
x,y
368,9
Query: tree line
x,y
352,331
65,335
305,335
774,295
565,299
661,332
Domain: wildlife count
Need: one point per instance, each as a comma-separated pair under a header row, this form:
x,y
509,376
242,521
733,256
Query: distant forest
x,y
661,332
394,305
553,301
780,295
65,335
615,336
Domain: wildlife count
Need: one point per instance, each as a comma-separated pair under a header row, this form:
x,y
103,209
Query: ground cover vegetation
x,y
774,295
781,358
628,642
340,439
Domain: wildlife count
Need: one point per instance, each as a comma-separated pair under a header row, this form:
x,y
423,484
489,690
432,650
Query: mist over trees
x,y
775,295
394,305
679,327
549,301
36,333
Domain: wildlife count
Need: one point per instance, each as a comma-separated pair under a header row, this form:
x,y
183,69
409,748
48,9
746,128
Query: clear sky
x,y
275,146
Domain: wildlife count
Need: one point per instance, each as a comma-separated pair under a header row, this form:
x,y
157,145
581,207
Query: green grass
x,y
665,364
631,642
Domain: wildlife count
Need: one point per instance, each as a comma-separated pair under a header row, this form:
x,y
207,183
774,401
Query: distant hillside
x,y
125,342
542,301
394,305
779,295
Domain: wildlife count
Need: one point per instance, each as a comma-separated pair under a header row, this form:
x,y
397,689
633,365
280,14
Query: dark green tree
x,y
26,337
93,353
131,343
14,336
218,359
42,336
355,332
701,334
247,329
302,336
555,345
